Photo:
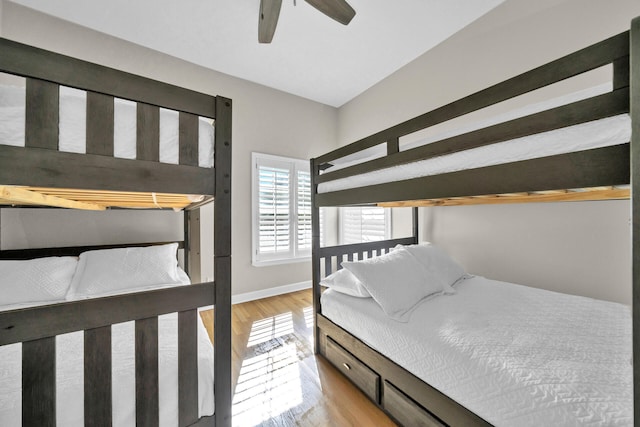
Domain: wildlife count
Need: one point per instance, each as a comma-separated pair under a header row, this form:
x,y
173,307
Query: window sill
x,y
270,262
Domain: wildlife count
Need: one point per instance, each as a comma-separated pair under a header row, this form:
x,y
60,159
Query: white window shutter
x,y
274,210
364,224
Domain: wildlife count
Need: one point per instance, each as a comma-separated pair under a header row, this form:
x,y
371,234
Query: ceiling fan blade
x,y
339,10
268,19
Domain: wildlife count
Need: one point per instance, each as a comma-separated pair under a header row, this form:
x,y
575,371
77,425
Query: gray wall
x,y
264,120
580,248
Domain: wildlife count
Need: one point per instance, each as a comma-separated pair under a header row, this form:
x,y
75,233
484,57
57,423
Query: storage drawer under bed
x,y
360,374
405,410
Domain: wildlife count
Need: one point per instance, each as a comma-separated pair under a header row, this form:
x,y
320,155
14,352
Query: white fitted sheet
x,y
595,134
72,133
69,372
514,355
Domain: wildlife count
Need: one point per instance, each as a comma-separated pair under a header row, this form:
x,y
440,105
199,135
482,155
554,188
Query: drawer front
x,y
359,373
406,411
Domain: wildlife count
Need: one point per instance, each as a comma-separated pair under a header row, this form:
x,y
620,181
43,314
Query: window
x,y
281,202
364,224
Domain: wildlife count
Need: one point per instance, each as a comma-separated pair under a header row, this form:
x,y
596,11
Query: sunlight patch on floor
x,y
269,382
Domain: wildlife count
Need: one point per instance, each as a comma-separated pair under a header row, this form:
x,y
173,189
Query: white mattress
x,y
514,355
72,134
599,133
69,371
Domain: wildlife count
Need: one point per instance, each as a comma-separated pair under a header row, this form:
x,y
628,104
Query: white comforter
x,y
72,133
69,371
514,355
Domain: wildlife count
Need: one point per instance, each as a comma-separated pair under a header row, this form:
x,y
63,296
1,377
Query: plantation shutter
x,y
364,224
274,222
281,201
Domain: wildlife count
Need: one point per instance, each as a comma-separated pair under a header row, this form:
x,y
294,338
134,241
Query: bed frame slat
x,y
148,132
188,139
188,367
589,58
39,382
583,169
29,61
97,376
100,122
594,108
46,168
42,114
147,407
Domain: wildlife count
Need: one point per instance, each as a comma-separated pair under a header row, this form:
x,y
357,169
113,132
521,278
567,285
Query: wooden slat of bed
x,y
188,367
47,168
97,376
39,382
589,58
594,108
148,132
28,61
582,169
100,123
41,114
188,139
38,322
147,388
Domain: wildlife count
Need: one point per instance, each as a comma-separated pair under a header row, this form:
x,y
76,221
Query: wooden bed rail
x,y
358,251
614,50
36,328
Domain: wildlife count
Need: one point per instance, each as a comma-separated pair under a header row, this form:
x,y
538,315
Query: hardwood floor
x,y
279,381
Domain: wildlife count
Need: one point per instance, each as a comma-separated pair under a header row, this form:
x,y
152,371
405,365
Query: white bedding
x,y
72,133
514,355
599,133
69,371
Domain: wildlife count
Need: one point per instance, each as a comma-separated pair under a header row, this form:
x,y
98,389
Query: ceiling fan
x,y
338,10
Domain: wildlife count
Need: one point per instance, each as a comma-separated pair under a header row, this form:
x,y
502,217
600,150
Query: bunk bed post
x,y
192,260
222,263
315,252
634,56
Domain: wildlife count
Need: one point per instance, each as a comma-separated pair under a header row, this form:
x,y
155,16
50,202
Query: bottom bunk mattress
x,y
70,385
514,355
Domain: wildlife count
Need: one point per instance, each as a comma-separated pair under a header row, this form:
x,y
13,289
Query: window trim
x,y
293,256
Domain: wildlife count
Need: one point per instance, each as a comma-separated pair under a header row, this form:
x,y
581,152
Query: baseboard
x,y
271,292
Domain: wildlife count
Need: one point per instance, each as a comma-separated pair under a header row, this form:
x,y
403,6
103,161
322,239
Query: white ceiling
x,y
311,55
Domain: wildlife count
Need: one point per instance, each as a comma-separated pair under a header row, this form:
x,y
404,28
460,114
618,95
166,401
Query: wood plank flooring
x,y
278,380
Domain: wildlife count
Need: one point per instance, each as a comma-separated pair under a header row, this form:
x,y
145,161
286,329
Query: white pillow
x,y
35,281
438,262
345,282
112,271
396,281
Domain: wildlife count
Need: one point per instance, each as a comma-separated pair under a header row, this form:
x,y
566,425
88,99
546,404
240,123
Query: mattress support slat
x,y
39,382
188,367
147,407
97,376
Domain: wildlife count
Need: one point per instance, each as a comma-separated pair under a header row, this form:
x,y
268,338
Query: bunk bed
x,y
360,174
38,169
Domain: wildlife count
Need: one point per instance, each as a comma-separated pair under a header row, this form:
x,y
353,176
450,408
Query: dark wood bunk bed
x,y
39,174
404,396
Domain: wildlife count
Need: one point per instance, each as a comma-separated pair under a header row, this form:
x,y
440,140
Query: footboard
x,y
36,328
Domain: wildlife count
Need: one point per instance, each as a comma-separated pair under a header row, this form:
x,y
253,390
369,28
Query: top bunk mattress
x,y
72,126
514,355
605,132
